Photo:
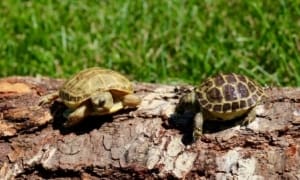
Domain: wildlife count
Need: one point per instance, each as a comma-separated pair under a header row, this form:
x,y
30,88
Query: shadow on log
x,y
139,143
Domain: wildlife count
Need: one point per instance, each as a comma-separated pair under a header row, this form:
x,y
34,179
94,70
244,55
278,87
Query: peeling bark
x,y
140,143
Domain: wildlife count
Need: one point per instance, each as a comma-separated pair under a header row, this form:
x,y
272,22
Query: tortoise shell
x,y
93,80
230,94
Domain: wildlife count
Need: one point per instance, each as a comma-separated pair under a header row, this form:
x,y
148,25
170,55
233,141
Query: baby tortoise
x,y
94,91
222,97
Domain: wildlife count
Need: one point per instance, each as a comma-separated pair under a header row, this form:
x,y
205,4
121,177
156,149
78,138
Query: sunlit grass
x,y
153,41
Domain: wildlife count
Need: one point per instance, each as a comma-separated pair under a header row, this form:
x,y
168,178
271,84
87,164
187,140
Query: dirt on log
x,y
140,143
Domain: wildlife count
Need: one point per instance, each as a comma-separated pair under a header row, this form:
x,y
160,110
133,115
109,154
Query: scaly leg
x,y
131,100
76,116
250,117
48,98
198,126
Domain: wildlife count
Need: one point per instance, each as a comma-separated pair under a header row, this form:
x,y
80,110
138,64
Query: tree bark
x,y
142,143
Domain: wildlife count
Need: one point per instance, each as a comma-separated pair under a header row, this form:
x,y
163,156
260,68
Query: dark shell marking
x,y
214,95
227,93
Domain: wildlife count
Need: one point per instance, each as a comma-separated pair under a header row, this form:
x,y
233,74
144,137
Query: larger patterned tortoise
x,y
94,91
222,97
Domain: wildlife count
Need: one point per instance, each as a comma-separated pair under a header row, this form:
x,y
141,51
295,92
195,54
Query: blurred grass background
x,y
161,41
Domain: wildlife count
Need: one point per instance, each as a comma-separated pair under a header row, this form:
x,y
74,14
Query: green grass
x,y
163,41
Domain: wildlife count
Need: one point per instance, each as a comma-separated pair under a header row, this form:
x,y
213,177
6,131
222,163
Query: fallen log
x,y
140,143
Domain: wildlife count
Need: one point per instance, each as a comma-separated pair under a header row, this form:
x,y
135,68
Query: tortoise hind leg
x,y
249,117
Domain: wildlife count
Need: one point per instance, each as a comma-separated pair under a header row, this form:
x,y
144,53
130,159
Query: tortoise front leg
x,y
198,125
76,116
48,98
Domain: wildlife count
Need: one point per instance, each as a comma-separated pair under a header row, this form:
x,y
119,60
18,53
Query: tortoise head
x,y
102,101
188,102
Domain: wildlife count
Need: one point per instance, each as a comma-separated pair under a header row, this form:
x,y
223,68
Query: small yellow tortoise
x,y
222,97
94,91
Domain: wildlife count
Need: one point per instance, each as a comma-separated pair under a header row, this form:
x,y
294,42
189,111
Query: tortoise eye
x,y
101,102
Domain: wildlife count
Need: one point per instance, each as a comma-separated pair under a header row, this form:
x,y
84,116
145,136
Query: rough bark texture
x,y
141,143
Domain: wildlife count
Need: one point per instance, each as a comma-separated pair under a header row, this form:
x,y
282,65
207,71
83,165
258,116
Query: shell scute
x,y
217,108
230,93
226,107
235,106
214,95
251,86
250,102
230,78
242,78
242,89
243,104
219,81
